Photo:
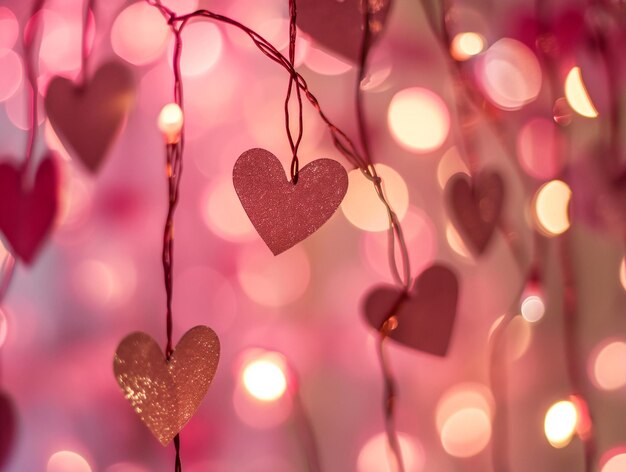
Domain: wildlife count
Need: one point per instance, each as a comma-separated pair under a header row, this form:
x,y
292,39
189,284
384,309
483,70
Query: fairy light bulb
x,y
264,377
560,423
466,45
170,122
532,304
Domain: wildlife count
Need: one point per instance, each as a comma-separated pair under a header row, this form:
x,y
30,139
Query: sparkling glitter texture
x,y
283,213
165,394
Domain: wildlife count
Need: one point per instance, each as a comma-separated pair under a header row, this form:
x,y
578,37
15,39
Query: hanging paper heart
x,y
284,213
87,118
337,25
27,212
424,317
165,394
8,427
475,206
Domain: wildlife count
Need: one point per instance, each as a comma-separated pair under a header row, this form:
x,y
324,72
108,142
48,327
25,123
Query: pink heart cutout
x,y
284,213
8,427
424,317
475,206
27,214
165,394
88,118
336,25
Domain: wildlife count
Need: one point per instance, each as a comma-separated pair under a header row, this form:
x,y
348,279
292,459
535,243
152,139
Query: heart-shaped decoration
x,y
27,213
337,25
8,427
475,206
87,118
284,213
422,318
165,394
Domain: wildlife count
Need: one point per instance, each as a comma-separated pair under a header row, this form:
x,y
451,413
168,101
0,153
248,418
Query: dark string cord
x,y
293,79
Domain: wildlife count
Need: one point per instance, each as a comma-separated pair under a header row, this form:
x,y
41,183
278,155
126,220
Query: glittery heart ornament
x,y
8,427
423,317
88,117
165,394
284,213
475,206
28,210
337,25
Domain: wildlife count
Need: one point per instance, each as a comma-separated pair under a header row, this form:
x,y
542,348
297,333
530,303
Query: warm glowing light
x,y
560,423
614,461
264,377
517,336
551,205
450,163
510,74
622,273
463,396
223,213
11,77
203,48
170,122
533,308
374,455
466,45
139,34
67,461
466,433
539,149
608,367
418,119
361,205
577,96
9,28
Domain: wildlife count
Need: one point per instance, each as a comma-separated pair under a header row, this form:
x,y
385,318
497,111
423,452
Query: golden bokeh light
x,y
560,423
551,208
577,95
608,367
170,122
264,376
466,45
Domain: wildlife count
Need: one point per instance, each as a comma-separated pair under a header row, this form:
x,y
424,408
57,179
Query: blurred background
x,y
298,315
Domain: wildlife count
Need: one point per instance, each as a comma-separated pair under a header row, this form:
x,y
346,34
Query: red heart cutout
x,y
284,213
8,427
88,118
165,394
27,214
424,316
475,206
337,25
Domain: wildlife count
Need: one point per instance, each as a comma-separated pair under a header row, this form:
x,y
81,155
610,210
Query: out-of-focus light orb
x,y
104,283
466,433
608,367
181,6
456,243
533,308
418,119
517,336
375,454
450,163
539,149
223,213
264,377
622,273
463,396
139,34
466,45
202,48
324,63
361,205
273,281
67,461
560,423
16,110
577,95
11,76
551,207
9,29
3,327
614,460
510,74
170,122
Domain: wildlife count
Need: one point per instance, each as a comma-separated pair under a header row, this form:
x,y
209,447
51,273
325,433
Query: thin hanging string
x,y
293,79
304,426
84,50
30,59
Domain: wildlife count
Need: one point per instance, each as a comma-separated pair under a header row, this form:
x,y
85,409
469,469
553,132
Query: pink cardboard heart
x,y
27,212
88,118
337,25
424,317
284,213
8,428
475,206
165,394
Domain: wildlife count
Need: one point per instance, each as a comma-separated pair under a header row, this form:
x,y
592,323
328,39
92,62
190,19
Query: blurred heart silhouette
x,y
88,117
475,206
27,212
337,25
165,394
284,213
423,318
